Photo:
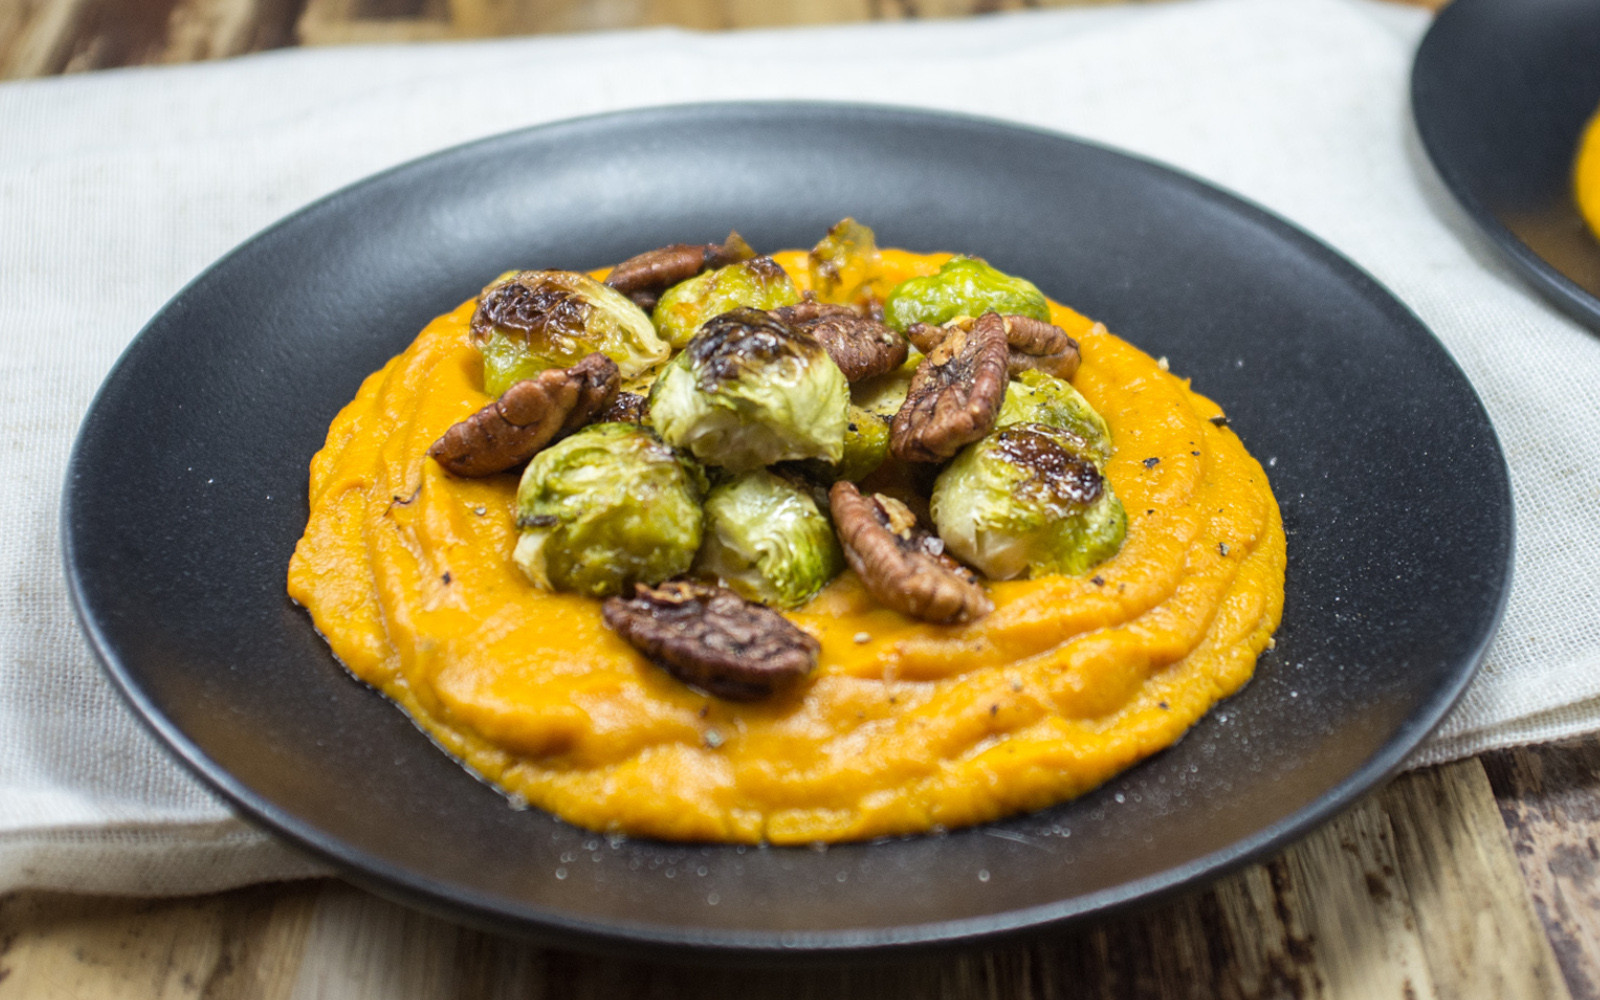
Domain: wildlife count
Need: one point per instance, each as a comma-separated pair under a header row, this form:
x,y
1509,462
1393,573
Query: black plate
x,y
187,492
1501,90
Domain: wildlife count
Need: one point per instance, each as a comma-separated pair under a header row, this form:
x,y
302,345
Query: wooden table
x,y
1475,879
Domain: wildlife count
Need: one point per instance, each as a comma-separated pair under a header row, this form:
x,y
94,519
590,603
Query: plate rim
x,y
769,947
1558,289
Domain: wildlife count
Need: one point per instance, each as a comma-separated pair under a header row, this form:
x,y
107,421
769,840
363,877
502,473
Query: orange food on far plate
x,y
1587,176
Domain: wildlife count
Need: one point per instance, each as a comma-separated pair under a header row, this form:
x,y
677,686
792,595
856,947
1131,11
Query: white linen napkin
x,y
117,187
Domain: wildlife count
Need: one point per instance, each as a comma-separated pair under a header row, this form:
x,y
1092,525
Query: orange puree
x,y
1587,175
408,573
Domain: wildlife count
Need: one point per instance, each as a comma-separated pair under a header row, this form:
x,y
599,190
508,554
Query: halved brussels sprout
x,y
768,541
606,508
748,391
964,286
529,321
1027,499
759,283
845,265
1036,398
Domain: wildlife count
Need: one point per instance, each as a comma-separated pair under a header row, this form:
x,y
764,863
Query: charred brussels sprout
x,y
964,286
768,541
758,283
845,266
748,391
530,321
1036,398
606,508
1027,499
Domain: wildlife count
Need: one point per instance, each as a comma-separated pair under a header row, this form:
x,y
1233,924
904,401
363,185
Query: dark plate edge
x,y
1562,292
766,948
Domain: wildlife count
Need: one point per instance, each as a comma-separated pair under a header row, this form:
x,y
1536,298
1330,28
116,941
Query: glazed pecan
x,y
712,638
955,395
1037,344
902,564
1032,343
528,416
644,277
627,408
861,346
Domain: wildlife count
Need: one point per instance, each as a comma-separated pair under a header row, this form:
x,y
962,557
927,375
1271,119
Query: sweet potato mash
x,y
903,727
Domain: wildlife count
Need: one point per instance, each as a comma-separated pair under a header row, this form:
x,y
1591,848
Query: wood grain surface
x,y
1474,879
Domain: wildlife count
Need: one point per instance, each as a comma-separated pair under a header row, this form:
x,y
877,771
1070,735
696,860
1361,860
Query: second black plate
x,y
1501,90
187,492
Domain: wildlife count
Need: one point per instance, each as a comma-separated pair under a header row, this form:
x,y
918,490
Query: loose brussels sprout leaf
x,y
748,391
866,445
1027,499
606,508
534,320
964,286
758,283
1036,398
846,264
767,540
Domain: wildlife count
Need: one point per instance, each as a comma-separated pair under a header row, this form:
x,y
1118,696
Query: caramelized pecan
x,y
645,276
1033,343
528,416
902,564
955,395
861,346
627,408
1037,344
712,638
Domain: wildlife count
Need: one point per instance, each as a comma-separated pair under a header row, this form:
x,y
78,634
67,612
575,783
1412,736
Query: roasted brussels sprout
x,y
964,286
845,266
1027,499
529,321
768,541
1036,398
748,391
758,283
606,508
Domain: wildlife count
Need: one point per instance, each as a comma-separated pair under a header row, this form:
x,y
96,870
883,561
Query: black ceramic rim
x,y
1500,92
142,604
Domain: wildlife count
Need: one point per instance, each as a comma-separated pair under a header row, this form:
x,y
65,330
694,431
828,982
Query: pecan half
x,y
861,346
955,395
645,276
713,638
902,564
1037,344
1033,343
528,416
627,408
